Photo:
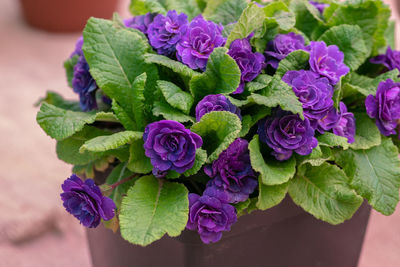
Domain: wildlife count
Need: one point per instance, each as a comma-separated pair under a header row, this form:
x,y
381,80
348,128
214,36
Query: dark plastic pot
x,y
65,15
284,236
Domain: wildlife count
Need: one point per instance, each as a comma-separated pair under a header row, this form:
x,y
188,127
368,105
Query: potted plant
x,y
226,133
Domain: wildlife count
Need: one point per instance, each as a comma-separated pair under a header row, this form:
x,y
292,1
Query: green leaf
x,y
297,60
374,174
259,83
189,7
57,100
108,142
69,65
224,11
272,172
161,108
60,123
153,208
278,12
343,36
331,140
138,100
175,96
319,155
241,207
367,134
142,7
222,76
138,162
324,192
390,35
123,117
371,15
119,173
271,195
278,93
173,65
218,130
251,19
115,55
201,157
68,149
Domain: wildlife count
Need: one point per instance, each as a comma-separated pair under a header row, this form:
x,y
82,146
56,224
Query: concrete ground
x,y
34,229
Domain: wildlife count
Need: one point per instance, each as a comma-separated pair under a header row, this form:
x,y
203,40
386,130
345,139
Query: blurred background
x,y
34,228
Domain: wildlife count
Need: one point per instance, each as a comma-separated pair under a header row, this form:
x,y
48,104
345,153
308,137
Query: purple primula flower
x,y
281,46
385,106
346,125
320,6
170,146
250,63
329,121
210,216
78,47
198,42
215,103
232,172
84,85
391,60
140,23
314,92
166,31
85,201
285,132
327,61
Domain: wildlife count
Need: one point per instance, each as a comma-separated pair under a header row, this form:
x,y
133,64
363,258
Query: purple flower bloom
x,y
166,31
329,121
314,92
140,23
85,201
281,46
250,63
78,47
385,106
327,61
390,60
232,172
199,42
210,216
215,103
285,132
84,85
318,5
170,146
346,125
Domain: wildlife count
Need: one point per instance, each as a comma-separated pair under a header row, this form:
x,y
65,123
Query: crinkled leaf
x,y
390,35
297,60
343,36
218,130
319,155
279,13
222,76
374,174
324,192
60,123
142,7
251,19
224,11
270,195
371,15
246,125
116,58
108,142
175,96
367,134
138,162
259,83
272,172
57,100
201,157
123,117
69,65
153,208
161,108
174,65
138,100
241,207
278,93
332,140
189,7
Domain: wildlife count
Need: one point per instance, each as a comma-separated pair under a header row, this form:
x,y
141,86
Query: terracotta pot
x,y
65,15
283,236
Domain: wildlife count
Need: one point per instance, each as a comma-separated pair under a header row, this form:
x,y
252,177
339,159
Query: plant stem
x,y
113,186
